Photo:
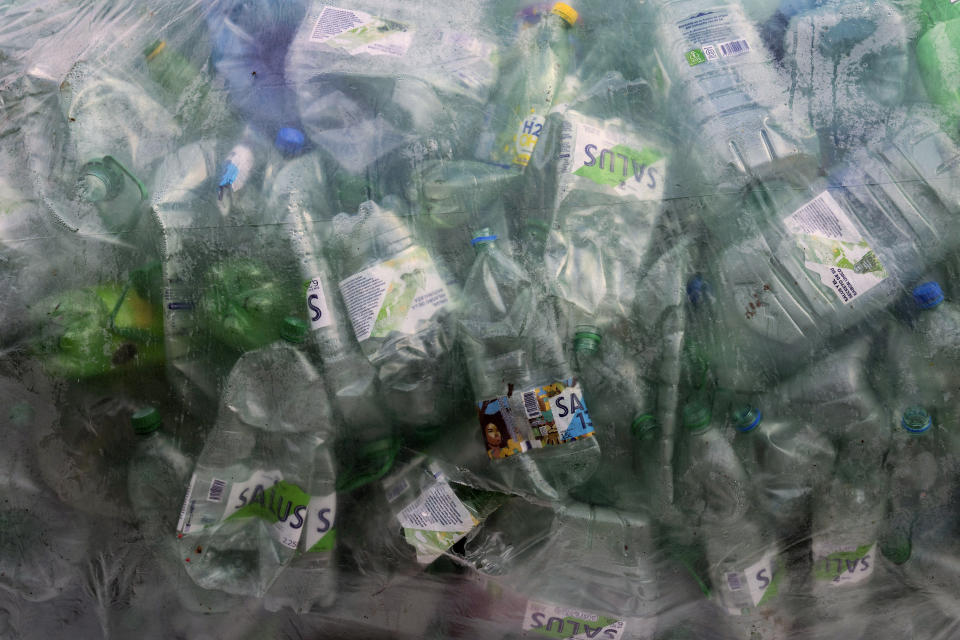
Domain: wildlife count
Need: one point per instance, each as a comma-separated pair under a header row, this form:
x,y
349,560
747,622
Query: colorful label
x,y
541,416
357,32
394,295
610,158
528,134
435,521
317,309
321,534
842,567
553,621
834,249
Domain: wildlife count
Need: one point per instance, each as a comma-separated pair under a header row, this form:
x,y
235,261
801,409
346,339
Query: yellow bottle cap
x,y
565,11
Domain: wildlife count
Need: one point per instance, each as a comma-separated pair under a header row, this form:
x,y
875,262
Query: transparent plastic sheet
x,y
630,320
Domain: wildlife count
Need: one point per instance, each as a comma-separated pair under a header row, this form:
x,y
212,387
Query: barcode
x,y
530,404
733,580
733,47
216,490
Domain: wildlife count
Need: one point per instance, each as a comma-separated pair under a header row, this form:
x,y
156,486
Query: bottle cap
x,y
643,426
146,420
698,290
586,338
916,420
898,550
482,237
230,173
293,330
154,49
746,418
696,416
290,141
927,295
565,11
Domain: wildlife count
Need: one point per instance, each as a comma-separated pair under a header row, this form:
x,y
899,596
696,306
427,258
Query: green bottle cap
x,y
696,416
146,420
644,426
293,330
586,338
897,550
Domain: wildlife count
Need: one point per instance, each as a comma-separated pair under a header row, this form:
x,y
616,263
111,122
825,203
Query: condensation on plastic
x,y
754,477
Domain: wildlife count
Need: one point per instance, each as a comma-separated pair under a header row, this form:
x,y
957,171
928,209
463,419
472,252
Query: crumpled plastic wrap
x,y
495,319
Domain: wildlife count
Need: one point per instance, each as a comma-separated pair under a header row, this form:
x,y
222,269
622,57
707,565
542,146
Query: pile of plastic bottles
x,y
491,319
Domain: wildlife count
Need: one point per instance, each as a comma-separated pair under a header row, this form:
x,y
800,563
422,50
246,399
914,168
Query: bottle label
x,y
394,295
435,521
834,249
321,532
317,309
357,32
842,567
263,495
553,621
753,586
714,37
528,134
608,157
546,415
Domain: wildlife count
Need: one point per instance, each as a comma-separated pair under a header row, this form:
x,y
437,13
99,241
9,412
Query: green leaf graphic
x,y
613,169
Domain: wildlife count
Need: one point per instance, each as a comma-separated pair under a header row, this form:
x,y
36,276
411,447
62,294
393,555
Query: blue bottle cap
x,y
230,173
927,295
698,290
290,141
747,419
916,420
482,239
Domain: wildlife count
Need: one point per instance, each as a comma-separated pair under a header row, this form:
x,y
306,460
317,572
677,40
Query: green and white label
x,y
834,249
843,566
357,32
268,497
435,521
553,621
321,533
610,157
394,295
264,496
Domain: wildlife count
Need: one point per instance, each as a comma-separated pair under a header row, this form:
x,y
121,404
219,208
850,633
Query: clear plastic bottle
x,y
519,547
741,549
530,408
248,504
731,95
399,300
847,519
529,82
159,474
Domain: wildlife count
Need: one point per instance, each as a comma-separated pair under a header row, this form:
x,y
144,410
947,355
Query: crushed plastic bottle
x,y
247,504
537,431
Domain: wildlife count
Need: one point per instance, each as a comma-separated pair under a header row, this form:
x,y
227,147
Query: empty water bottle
x,y
399,299
733,99
248,504
529,82
536,428
519,545
741,549
159,473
